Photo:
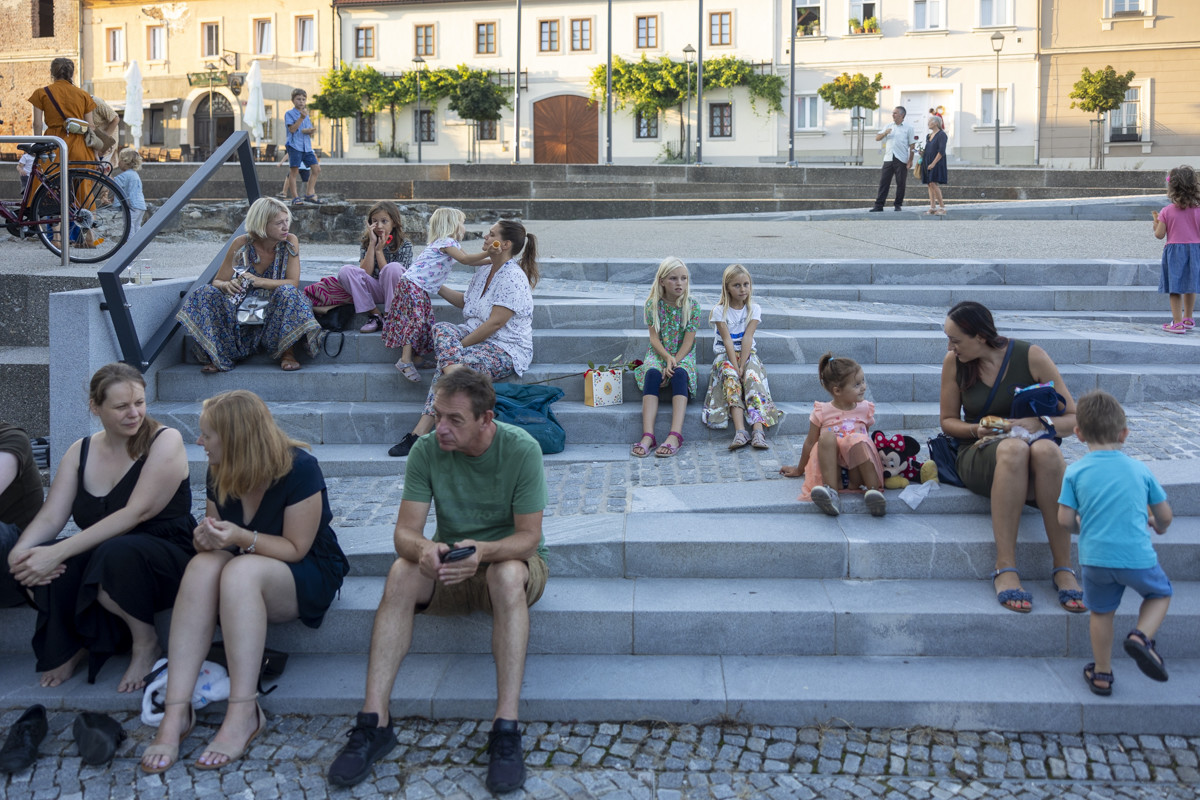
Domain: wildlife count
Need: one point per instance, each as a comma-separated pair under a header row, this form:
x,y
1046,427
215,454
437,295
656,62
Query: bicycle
x,y
98,222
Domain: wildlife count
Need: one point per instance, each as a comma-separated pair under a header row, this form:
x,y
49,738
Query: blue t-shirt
x,y
1110,491
130,184
295,139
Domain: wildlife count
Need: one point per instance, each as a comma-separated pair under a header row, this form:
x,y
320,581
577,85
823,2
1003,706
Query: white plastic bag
x,y
212,686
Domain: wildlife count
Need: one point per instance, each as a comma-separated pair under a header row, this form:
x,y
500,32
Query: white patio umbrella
x,y
133,103
256,110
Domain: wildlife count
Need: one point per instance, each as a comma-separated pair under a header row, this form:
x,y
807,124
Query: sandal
x,y
1188,323
409,371
1012,595
288,363
312,198
296,201
645,449
1147,658
210,369
373,324
238,753
171,751
740,439
1091,676
1175,327
666,449
759,441
1068,595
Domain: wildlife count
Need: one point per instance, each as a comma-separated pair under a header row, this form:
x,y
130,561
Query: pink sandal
x,y
633,451
1175,327
670,448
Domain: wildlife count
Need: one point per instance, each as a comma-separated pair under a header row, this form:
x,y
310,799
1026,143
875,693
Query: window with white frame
x,y
114,45
863,11
720,28
364,127
646,125
264,37
987,107
581,35
1125,123
426,126
1127,6
720,120
424,40
808,13
927,14
210,39
364,42
306,34
647,32
994,13
808,112
156,43
485,38
548,36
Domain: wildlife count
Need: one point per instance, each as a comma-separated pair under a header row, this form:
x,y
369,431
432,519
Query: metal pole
x,y
700,88
420,133
997,108
517,95
791,162
64,188
608,93
688,136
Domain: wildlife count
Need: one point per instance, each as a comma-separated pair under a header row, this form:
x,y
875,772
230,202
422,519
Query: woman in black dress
x,y
126,487
266,555
933,165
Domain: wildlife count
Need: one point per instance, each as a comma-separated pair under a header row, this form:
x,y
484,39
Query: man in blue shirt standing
x,y
898,158
299,146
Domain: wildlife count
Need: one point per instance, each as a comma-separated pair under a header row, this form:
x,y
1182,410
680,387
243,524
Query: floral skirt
x,y
210,317
409,319
484,357
751,393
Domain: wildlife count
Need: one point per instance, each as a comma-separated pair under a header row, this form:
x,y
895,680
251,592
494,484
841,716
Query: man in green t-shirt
x,y
20,499
487,480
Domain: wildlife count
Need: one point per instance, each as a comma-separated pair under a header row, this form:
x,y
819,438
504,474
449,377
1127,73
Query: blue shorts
x,y
305,174
301,158
1103,586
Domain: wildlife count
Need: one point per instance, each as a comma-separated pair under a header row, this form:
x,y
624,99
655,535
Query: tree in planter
x,y
476,97
1100,92
340,96
853,92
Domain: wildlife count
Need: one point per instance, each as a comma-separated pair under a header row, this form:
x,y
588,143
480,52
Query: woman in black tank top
x,y
126,488
1012,471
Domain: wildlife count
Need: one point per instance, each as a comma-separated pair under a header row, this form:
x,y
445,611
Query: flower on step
x,y
617,363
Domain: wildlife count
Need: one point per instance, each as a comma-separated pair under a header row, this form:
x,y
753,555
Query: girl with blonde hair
x,y
266,554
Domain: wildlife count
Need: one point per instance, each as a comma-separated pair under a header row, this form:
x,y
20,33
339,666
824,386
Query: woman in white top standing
x,y
496,335
737,385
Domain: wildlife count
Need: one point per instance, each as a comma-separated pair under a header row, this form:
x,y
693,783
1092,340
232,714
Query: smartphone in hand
x,y
458,554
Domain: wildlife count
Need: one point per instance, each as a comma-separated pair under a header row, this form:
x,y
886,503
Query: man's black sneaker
x,y
368,743
506,771
875,210
402,447
21,747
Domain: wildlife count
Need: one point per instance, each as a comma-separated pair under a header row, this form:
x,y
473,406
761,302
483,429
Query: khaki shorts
x,y
472,594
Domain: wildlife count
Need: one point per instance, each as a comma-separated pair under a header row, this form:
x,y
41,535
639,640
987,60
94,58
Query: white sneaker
x,y
876,502
827,500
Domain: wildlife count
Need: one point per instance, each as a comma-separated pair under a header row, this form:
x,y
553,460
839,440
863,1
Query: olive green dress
x,y
977,465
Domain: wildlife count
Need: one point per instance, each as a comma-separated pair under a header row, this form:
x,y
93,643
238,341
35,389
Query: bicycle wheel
x,y
98,225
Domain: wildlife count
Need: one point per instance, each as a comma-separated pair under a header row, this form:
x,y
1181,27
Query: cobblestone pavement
x,y
638,760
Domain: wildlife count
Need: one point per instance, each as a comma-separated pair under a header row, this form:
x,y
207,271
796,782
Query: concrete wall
x,y
82,340
25,59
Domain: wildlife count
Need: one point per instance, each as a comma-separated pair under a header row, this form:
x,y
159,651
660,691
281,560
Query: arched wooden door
x,y
566,130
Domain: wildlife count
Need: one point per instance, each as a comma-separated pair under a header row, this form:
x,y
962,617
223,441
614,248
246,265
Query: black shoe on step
x,y
21,747
402,447
98,736
368,743
506,770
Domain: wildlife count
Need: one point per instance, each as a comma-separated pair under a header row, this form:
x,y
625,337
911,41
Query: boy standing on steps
x,y
1113,498
299,146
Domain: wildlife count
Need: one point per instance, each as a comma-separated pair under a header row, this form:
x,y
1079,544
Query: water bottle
x,y
146,278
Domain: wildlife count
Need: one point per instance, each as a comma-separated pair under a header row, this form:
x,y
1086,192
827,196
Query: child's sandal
x,y
740,439
644,449
1091,676
1140,648
666,449
759,441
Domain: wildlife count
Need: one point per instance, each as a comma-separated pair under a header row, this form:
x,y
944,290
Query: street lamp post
x,y
212,118
689,53
997,45
791,162
608,98
517,95
420,62
700,89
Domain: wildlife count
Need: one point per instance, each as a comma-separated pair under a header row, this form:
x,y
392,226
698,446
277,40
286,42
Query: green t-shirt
x,y
476,497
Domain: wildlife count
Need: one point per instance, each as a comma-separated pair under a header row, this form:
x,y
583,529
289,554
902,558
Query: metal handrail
x,y
64,191
133,351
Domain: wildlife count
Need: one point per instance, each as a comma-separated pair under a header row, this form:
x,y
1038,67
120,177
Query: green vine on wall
x,y
651,87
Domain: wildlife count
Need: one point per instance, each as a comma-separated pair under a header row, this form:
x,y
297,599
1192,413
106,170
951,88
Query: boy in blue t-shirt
x,y
1110,499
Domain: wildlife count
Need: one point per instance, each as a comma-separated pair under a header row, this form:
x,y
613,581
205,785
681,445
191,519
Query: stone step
x,y
1045,695
367,382
740,616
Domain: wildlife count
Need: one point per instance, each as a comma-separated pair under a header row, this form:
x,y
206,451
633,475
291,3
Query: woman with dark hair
x,y
1011,471
126,488
266,555
496,336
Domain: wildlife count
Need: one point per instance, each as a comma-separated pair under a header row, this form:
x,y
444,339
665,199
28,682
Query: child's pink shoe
x,y
1189,323
1175,327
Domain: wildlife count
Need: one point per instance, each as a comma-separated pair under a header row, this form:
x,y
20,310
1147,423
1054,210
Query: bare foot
x,y
141,661
241,731
54,677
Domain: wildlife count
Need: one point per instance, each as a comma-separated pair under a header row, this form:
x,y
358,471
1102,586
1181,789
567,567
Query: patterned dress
x,y
674,323
727,389
210,317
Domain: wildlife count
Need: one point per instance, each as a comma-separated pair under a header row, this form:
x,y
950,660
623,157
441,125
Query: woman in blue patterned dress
x,y
268,259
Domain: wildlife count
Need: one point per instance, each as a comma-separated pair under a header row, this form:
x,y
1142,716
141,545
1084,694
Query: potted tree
x,y
856,25
871,24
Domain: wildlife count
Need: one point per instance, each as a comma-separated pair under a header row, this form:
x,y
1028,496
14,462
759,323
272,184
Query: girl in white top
x,y
737,385
408,323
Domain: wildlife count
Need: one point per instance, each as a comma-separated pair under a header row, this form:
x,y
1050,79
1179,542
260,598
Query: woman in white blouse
x,y
496,335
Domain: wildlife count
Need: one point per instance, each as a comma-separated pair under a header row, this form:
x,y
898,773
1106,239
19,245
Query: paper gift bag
x,y
602,387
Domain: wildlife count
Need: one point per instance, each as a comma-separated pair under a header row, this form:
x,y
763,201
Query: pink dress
x,y
853,442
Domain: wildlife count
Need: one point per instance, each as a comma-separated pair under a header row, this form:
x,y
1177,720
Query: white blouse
x,y
509,289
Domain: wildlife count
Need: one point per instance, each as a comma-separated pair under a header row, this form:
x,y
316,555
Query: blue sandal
x,y
1012,595
1067,595
1143,652
1091,676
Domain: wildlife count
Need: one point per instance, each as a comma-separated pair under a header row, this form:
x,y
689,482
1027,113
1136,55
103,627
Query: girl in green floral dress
x,y
672,317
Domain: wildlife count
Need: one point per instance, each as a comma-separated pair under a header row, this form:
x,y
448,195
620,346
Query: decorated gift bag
x,y
602,387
